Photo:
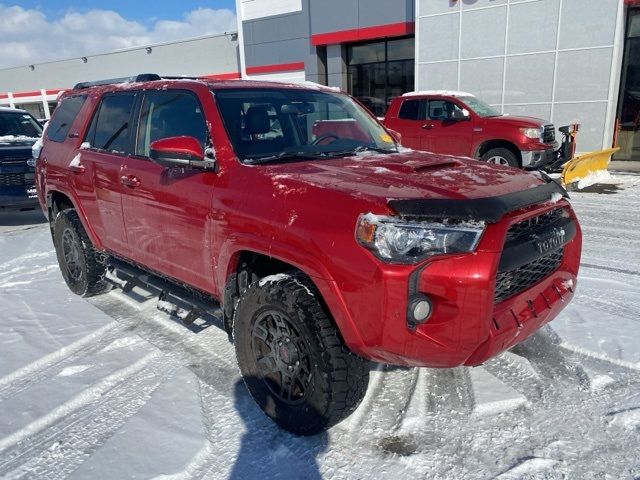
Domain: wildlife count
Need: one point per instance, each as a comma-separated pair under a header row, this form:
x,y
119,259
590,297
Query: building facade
x,y
560,60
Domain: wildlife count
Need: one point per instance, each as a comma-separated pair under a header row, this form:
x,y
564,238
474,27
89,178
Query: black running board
x,y
192,309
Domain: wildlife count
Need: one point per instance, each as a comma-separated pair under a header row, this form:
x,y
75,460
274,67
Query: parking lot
x,y
113,388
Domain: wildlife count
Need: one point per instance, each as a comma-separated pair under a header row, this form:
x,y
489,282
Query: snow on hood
x,y
407,175
9,139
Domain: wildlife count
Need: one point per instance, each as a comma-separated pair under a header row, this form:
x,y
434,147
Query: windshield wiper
x,y
259,159
364,148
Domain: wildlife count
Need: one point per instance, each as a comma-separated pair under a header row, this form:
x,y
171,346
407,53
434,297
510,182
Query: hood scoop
x,y
416,166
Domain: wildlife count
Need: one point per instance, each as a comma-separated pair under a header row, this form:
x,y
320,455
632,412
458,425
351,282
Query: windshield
x,y
276,123
18,126
481,108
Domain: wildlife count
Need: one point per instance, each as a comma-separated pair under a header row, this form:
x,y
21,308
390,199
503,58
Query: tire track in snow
x,y
55,445
512,371
385,401
51,364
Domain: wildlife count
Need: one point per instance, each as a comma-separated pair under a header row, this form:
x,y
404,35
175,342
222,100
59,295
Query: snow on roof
x,y
448,93
14,110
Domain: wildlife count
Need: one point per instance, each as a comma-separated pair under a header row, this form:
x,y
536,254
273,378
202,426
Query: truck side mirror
x,y
460,115
180,152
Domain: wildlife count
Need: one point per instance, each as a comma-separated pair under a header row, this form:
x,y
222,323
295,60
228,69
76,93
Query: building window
x,y
380,71
629,97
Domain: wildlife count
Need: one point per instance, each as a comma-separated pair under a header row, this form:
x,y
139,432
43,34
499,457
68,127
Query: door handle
x,y
130,181
76,168
428,126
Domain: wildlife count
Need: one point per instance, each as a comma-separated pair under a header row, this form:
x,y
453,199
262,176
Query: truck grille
x,y
533,225
12,179
515,281
548,134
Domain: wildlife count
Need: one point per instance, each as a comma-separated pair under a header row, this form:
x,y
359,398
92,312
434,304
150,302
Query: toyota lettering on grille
x,y
552,242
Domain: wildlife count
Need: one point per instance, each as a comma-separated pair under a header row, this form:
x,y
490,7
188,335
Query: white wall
x,y
252,9
555,59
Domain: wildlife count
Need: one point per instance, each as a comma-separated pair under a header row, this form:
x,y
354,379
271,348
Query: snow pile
x,y
601,176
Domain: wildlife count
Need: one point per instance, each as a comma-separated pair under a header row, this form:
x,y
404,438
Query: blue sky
x,y
143,12
33,31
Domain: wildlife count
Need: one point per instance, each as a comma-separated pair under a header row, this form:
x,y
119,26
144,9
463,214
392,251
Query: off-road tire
x,y
90,265
236,286
338,378
508,156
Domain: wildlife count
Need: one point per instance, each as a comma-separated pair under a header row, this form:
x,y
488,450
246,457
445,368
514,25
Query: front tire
x,y
501,156
83,267
292,359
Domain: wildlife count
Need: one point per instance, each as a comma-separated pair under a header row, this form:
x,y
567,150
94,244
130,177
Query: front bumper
x,y
467,326
18,197
537,158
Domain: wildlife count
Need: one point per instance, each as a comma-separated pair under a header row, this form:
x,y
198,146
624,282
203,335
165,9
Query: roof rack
x,y
143,77
179,77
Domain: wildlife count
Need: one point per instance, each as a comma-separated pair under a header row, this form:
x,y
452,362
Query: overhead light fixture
x,y
149,50
32,67
85,59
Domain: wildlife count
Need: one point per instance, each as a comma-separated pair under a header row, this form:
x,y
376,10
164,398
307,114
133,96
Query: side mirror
x,y
460,115
180,152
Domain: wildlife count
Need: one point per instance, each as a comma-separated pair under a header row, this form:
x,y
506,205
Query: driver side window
x,y
441,110
169,114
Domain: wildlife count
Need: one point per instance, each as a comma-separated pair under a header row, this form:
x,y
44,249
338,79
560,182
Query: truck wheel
x,y
83,267
501,156
292,358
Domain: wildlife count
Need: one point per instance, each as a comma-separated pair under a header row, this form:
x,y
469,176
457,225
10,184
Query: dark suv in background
x,y
18,132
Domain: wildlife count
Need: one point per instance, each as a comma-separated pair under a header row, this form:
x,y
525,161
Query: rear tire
x,y
501,156
292,359
83,267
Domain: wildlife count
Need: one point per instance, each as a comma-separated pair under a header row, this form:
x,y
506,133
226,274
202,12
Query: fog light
x,y
419,310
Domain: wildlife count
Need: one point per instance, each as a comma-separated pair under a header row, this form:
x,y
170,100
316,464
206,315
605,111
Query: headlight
x,y
395,240
535,133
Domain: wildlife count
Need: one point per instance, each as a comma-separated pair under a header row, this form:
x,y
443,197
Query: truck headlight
x,y
534,133
395,240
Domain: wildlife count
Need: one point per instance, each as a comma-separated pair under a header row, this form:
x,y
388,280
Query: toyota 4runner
x,y
324,242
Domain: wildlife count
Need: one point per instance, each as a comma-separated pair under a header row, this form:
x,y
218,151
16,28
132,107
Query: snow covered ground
x,y
111,388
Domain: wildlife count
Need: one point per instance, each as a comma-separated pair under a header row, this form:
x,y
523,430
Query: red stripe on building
x,y
223,76
4,95
366,33
56,91
27,94
281,67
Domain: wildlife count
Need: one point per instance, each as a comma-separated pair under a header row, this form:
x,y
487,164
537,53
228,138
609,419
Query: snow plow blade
x,y
586,164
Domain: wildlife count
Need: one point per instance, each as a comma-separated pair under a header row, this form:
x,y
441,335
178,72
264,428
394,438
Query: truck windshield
x,y
276,123
481,108
18,126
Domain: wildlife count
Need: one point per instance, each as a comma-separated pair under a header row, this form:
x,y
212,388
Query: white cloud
x,y
28,36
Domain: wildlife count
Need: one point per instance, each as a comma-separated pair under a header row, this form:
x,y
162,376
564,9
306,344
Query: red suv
x,y
325,244
458,123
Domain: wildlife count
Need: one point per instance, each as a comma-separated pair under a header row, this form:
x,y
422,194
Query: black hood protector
x,y
490,209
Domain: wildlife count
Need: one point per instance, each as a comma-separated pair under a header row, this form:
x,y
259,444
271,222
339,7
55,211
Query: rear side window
x,y
63,117
111,126
169,114
412,110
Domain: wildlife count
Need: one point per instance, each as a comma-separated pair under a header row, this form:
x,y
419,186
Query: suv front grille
x,y
549,134
12,179
533,225
515,281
